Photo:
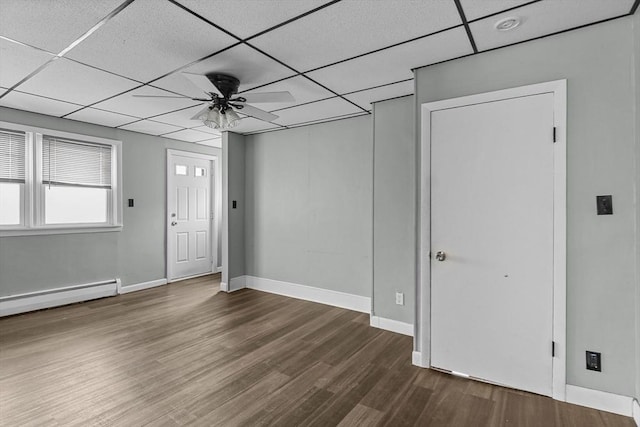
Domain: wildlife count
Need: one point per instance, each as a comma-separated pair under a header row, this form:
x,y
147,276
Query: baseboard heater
x,y
21,303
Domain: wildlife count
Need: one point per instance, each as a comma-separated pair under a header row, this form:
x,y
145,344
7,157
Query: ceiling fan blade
x,y
256,98
161,96
257,113
204,110
202,82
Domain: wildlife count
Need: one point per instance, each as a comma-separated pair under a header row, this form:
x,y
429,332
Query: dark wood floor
x,y
185,354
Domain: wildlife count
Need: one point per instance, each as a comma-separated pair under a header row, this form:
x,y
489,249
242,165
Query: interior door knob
x,y
441,256
174,223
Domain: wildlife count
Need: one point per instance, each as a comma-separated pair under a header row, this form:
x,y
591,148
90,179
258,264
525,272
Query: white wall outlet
x,y
399,298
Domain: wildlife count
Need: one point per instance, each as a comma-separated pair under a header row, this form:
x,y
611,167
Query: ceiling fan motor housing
x,y
226,84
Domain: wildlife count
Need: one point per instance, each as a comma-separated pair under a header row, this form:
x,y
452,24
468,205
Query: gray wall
x,y
136,254
636,28
597,61
234,147
309,205
394,208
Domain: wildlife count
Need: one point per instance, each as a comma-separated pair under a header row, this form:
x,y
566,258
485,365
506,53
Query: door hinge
x,y
554,134
553,349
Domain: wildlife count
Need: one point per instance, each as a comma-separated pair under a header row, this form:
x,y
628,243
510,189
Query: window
x,y
52,182
77,181
12,177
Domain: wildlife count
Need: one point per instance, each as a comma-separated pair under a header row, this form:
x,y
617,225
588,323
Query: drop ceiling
x,y
85,59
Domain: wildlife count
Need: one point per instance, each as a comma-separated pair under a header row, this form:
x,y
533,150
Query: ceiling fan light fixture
x,y
232,118
222,120
211,118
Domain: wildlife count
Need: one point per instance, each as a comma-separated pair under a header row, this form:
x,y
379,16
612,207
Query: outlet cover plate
x,y
594,361
604,205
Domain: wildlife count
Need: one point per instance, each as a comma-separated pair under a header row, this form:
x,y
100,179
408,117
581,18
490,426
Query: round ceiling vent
x,y
507,24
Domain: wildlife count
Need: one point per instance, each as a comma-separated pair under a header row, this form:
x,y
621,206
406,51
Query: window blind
x,y
11,156
74,163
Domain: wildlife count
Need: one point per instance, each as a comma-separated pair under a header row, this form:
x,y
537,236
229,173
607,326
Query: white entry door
x,y
189,241
492,218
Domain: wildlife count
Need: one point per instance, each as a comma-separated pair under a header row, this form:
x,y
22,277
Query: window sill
x,y
59,230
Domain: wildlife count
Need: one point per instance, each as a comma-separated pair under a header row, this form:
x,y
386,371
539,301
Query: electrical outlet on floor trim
x,y
399,298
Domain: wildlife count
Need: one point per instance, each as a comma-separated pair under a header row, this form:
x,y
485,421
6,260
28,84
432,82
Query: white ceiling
x,y
84,60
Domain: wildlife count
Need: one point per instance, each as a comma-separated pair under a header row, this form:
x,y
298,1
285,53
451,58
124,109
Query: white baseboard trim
x,y
391,325
22,303
310,293
141,286
224,287
416,359
600,400
636,412
237,283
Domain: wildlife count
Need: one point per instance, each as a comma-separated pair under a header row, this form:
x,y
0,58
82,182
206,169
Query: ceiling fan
x,y
222,104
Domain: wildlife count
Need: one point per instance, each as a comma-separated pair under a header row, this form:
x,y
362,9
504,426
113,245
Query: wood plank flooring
x,y
186,354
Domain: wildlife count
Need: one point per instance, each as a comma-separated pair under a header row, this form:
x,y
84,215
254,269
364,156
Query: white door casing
x,y
447,218
191,215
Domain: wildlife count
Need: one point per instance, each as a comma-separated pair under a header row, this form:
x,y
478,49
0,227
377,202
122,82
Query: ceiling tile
x,y
209,130
51,25
69,81
545,17
249,124
245,18
178,84
366,97
37,104
329,119
150,127
353,27
101,117
189,135
181,118
246,64
214,142
18,61
333,107
302,89
474,9
148,39
394,64
145,107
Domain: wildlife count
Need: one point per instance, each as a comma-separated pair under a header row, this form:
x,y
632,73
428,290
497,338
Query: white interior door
x,y
492,216
189,240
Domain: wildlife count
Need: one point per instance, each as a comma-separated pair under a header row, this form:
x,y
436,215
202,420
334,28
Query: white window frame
x,y
33,214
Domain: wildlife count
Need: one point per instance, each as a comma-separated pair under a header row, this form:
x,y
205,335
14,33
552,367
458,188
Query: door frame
x,y
215,196
422,345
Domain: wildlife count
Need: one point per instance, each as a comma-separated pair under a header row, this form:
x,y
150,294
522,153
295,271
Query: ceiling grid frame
x,y
297,73
73,44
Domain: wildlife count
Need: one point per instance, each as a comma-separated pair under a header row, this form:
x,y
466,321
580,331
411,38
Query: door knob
x,y
174,223
441,256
